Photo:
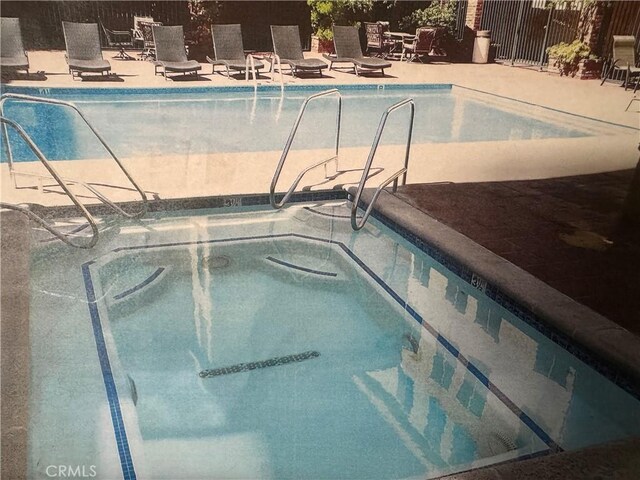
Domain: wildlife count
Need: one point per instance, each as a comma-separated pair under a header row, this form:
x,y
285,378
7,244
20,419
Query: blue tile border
x,y
108,377
78,91
302,269
126,462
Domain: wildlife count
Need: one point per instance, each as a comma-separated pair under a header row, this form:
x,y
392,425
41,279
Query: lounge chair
x,y
228,49
421,44
12,53
624,58
170,52
287,46
347,44
83,49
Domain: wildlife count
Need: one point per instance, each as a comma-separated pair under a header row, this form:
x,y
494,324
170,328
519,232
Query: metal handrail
x,y
285,152
372,153
276,58
85,213
101,197
250,62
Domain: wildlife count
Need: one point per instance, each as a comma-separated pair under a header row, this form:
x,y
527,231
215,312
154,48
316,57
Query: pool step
x,y
130,298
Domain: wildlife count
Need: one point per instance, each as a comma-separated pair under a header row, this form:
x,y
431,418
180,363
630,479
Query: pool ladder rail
x,y
63,183
366,171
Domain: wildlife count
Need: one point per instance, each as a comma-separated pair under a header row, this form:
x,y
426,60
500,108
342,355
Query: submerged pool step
x,y
272,362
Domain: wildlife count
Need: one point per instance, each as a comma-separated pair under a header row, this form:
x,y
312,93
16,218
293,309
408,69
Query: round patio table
x,y
398,39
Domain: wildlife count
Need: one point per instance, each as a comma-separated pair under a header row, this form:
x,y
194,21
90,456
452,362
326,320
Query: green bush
x,y
567,56
440,14
325,13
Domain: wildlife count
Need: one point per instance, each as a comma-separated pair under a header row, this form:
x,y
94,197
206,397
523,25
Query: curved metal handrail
x,y
250,62
287,147
51,101
85,213
372,153
276,59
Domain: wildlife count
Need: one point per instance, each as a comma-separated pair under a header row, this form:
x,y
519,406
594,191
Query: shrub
x,y
567,56
441,14
325,13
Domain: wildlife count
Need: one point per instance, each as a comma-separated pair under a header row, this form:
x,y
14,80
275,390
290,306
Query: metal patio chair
x,y
83,49
624,59
347,45
119,39
171,54
12,53
228,49
420,45
377,42
288,48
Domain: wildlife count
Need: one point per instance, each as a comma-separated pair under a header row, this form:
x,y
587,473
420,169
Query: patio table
x,y
398,38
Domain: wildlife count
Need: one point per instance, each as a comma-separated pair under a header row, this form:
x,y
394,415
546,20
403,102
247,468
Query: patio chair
x,y
171,54
119,39
624,58
136,33
421,44
84,54
347,45
287,46
377,42
228,49
146,40
12,53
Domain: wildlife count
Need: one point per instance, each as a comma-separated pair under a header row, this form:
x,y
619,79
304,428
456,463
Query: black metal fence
x,y
461,14
41,21
523,29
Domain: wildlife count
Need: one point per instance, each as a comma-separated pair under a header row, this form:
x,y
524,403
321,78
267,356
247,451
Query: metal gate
x,y
522,30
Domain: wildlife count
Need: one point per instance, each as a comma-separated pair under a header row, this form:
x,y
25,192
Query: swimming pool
x,y
251,343
151,122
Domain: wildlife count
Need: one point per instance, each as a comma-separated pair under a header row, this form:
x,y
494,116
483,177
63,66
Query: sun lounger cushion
x,y
12,50
83,47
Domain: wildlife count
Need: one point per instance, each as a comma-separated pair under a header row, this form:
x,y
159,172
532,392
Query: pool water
x,y
254,343
155,123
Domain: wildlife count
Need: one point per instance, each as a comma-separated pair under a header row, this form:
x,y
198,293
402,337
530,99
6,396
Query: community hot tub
x,y
253,343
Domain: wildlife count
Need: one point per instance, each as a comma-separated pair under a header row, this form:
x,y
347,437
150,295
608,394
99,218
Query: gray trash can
x,y
481,46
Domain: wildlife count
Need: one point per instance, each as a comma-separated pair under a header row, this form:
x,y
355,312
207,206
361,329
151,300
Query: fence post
x,y
546,35
516,40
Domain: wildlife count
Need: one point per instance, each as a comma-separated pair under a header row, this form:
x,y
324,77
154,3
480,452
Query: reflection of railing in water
x,y
101,197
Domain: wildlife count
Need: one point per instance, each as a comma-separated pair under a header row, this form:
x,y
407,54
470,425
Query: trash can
x,y
481,46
